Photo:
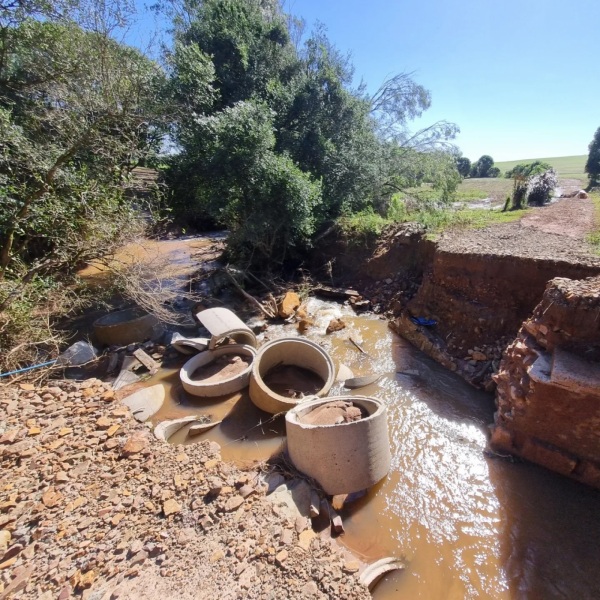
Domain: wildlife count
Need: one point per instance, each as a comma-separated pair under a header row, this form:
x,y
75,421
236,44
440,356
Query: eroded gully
x,y
468,525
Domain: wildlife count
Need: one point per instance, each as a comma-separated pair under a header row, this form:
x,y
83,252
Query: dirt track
x,y
555,232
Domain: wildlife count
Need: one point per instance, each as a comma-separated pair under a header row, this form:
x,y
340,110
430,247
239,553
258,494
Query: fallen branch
x,y
358,346
267,312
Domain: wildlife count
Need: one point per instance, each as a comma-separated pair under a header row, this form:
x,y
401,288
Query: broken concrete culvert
x,y
341,442
288,369
224,370
225,324
127,326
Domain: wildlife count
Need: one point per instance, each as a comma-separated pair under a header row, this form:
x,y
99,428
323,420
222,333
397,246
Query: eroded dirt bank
x,y
93,506
477,285
548,392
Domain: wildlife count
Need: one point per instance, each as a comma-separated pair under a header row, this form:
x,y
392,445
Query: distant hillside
x,y
567,167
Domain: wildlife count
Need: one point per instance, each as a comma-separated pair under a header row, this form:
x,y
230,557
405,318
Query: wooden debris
x,y
147,361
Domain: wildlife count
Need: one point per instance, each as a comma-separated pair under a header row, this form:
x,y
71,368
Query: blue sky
x,y
521,78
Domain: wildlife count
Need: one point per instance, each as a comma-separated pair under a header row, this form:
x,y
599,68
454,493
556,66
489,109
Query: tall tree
x,y
463,166
77,111
481,167
592,165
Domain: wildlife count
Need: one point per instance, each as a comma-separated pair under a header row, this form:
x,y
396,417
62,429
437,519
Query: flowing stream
x,y
468,526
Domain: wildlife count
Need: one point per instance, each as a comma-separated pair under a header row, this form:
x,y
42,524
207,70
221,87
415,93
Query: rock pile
x,y
92,506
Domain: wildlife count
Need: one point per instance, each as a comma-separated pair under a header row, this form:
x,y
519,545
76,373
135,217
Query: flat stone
x,y
51,498
5,538
112,430
246,490
351,566
305,538
135,444
186,535
233,503
9,437
103,423
171,507
139,558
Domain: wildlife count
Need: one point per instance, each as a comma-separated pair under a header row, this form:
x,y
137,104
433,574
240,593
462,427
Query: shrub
x,y
540,187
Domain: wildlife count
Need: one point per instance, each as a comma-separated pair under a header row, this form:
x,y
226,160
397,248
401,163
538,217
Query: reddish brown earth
x,y
572,217
548,394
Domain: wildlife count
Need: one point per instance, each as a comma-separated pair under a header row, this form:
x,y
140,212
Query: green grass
x,y
567,167
496,188
468,218
594,237
366,226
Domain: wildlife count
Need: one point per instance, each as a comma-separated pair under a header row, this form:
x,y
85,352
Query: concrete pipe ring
x,y
288,352
220,387
127,326
346,457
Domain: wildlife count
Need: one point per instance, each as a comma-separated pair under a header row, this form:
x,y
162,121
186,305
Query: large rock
x,y
289,304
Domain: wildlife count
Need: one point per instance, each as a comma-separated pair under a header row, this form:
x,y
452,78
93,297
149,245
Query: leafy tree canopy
x,y
77,111
525,170
482,167
592,165
235,54
463,166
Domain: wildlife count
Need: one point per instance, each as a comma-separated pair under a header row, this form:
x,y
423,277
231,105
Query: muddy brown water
x,y
292,381
469,526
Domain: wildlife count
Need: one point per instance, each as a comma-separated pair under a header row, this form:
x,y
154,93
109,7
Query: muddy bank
x,y
477,285
93,506
548,393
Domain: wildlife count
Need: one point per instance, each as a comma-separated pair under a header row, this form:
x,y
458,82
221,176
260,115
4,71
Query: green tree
x,y
231,55
77,111
524,170
592,165
265,200
463,166
481,167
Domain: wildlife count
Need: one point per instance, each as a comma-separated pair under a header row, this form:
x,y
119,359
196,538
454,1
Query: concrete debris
x,y
125,517
146,402
78,354
344,373
189,345
146,360
165,429
359,382
375,571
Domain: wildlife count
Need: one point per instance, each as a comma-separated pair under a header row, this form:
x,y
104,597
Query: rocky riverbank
x,y
93,506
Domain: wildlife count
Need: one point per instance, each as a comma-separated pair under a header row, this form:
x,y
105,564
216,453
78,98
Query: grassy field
x,y
496,188
567,167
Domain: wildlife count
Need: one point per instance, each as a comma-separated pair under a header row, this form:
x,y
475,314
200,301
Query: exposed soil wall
x,y
479,298
548,393
479,294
